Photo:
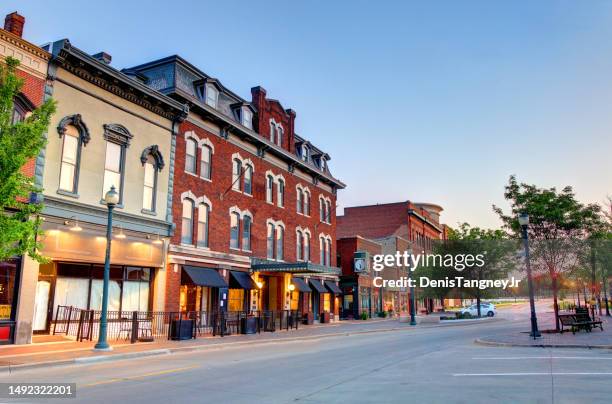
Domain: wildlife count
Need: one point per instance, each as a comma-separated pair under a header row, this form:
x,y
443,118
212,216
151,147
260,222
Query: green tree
x,y
558,224
19,142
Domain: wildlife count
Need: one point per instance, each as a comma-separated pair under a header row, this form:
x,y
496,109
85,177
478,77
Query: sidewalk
x,y
63,351
582,339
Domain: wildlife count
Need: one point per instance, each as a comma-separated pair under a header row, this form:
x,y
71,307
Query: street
x,y
439,364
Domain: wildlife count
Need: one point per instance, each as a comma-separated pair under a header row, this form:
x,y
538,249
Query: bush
x,y
461,316
364,315
382,314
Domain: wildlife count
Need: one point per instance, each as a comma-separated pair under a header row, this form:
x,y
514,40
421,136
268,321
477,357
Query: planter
x,y
308,318
181,330
248,325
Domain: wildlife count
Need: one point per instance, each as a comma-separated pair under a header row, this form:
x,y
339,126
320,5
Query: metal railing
x,y
150,325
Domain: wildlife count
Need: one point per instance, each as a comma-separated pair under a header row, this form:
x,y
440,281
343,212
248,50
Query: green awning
x,y
259,265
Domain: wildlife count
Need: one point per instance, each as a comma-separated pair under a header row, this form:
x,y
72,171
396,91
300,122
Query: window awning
x,y
318,286
301,285
241,280
333,288
205,277
263,265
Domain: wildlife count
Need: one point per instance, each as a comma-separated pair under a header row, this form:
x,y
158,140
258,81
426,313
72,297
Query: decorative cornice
x,y
153,150
117,133
76,121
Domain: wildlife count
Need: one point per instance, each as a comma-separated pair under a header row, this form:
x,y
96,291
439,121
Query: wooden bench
x,y
582,315
570,320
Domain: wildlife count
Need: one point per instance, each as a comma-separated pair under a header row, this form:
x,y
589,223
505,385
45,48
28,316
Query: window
x,y
235,300
203,213
298,245
236,172
187,222
247,118
246,233
269,188
306,244
281,193
321,210
248,180
270,241
321,250
328,252
68,170
272,132
190,157
300,200
304,152
234,230
279,135
112,168
150,177
205,159
328,211
280,242
212,94
307,203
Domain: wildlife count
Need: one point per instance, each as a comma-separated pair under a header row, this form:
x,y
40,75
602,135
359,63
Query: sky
x,y
428,101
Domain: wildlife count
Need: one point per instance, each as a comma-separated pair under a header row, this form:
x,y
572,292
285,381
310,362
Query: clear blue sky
x,y
428,101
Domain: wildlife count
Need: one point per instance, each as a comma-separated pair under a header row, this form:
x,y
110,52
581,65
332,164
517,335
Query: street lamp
x,y
111,198
523,220
412,299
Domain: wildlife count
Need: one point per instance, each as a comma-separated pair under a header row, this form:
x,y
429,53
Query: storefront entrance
x,y
9,285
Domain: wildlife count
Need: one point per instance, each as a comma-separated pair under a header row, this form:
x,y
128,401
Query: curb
x,y
480,341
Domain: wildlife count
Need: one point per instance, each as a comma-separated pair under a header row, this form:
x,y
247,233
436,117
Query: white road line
x,y
541,357
536,374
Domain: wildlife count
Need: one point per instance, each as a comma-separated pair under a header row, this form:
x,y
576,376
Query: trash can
x,y
181,329
248,325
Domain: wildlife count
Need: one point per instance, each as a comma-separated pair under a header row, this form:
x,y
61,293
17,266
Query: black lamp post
x,y
412,299
111,198
524,222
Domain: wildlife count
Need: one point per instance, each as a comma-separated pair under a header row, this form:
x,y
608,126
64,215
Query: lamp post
x,y
524,222
111,198
412,299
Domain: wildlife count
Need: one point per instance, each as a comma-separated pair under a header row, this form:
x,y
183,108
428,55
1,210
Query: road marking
x,y
536,374
123,379
541,357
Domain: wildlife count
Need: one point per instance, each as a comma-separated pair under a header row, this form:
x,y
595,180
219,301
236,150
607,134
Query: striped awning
x,y
259,265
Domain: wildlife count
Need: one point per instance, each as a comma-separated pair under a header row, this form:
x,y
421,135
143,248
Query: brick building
x,y
397,227
253,202
15,285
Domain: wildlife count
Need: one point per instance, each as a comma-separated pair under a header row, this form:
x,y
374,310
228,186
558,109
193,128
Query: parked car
x,y
486,309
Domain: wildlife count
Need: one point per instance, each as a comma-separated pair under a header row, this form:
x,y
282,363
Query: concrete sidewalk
x,y
582,339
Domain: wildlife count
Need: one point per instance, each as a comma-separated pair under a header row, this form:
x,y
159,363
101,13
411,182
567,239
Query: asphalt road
x,y
424,365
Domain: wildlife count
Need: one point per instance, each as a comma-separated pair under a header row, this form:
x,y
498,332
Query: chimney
x,y
14,23
103,57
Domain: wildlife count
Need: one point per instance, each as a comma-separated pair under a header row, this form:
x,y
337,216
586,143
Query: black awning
x,y
205,277
241,280
300,285
318,286
333,287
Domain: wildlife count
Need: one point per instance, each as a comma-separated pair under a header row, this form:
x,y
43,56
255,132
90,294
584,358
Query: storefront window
x,y
326,302
295,300
8,272
235,300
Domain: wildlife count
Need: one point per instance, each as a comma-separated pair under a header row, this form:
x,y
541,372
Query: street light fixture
x,y
412,297
523,220
112,199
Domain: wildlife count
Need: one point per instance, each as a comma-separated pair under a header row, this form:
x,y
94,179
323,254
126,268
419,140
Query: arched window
x,y
150,179
236,172
269,188
248,179
298,245
203,215
307,203
279,135
212,94
270,241
280,242
234,230
272,131
305,152
70,159
281,193
328,252
300,200
205,162
306,243
246,233
321,250
321,210
187,222
190,156
328,211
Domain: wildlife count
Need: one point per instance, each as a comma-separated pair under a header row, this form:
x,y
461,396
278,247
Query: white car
x,y
486,309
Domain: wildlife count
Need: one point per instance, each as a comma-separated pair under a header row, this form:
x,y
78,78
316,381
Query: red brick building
x,y
253,202
15,281
413,225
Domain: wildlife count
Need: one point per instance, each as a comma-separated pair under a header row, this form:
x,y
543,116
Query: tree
x,y
19,143
493,244
558,224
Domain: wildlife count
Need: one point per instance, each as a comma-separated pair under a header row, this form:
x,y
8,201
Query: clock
x,y
360,265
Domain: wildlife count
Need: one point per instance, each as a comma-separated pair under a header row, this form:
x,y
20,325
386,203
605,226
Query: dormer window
x,y
247,117
212,95
276,133
305,152
323,164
